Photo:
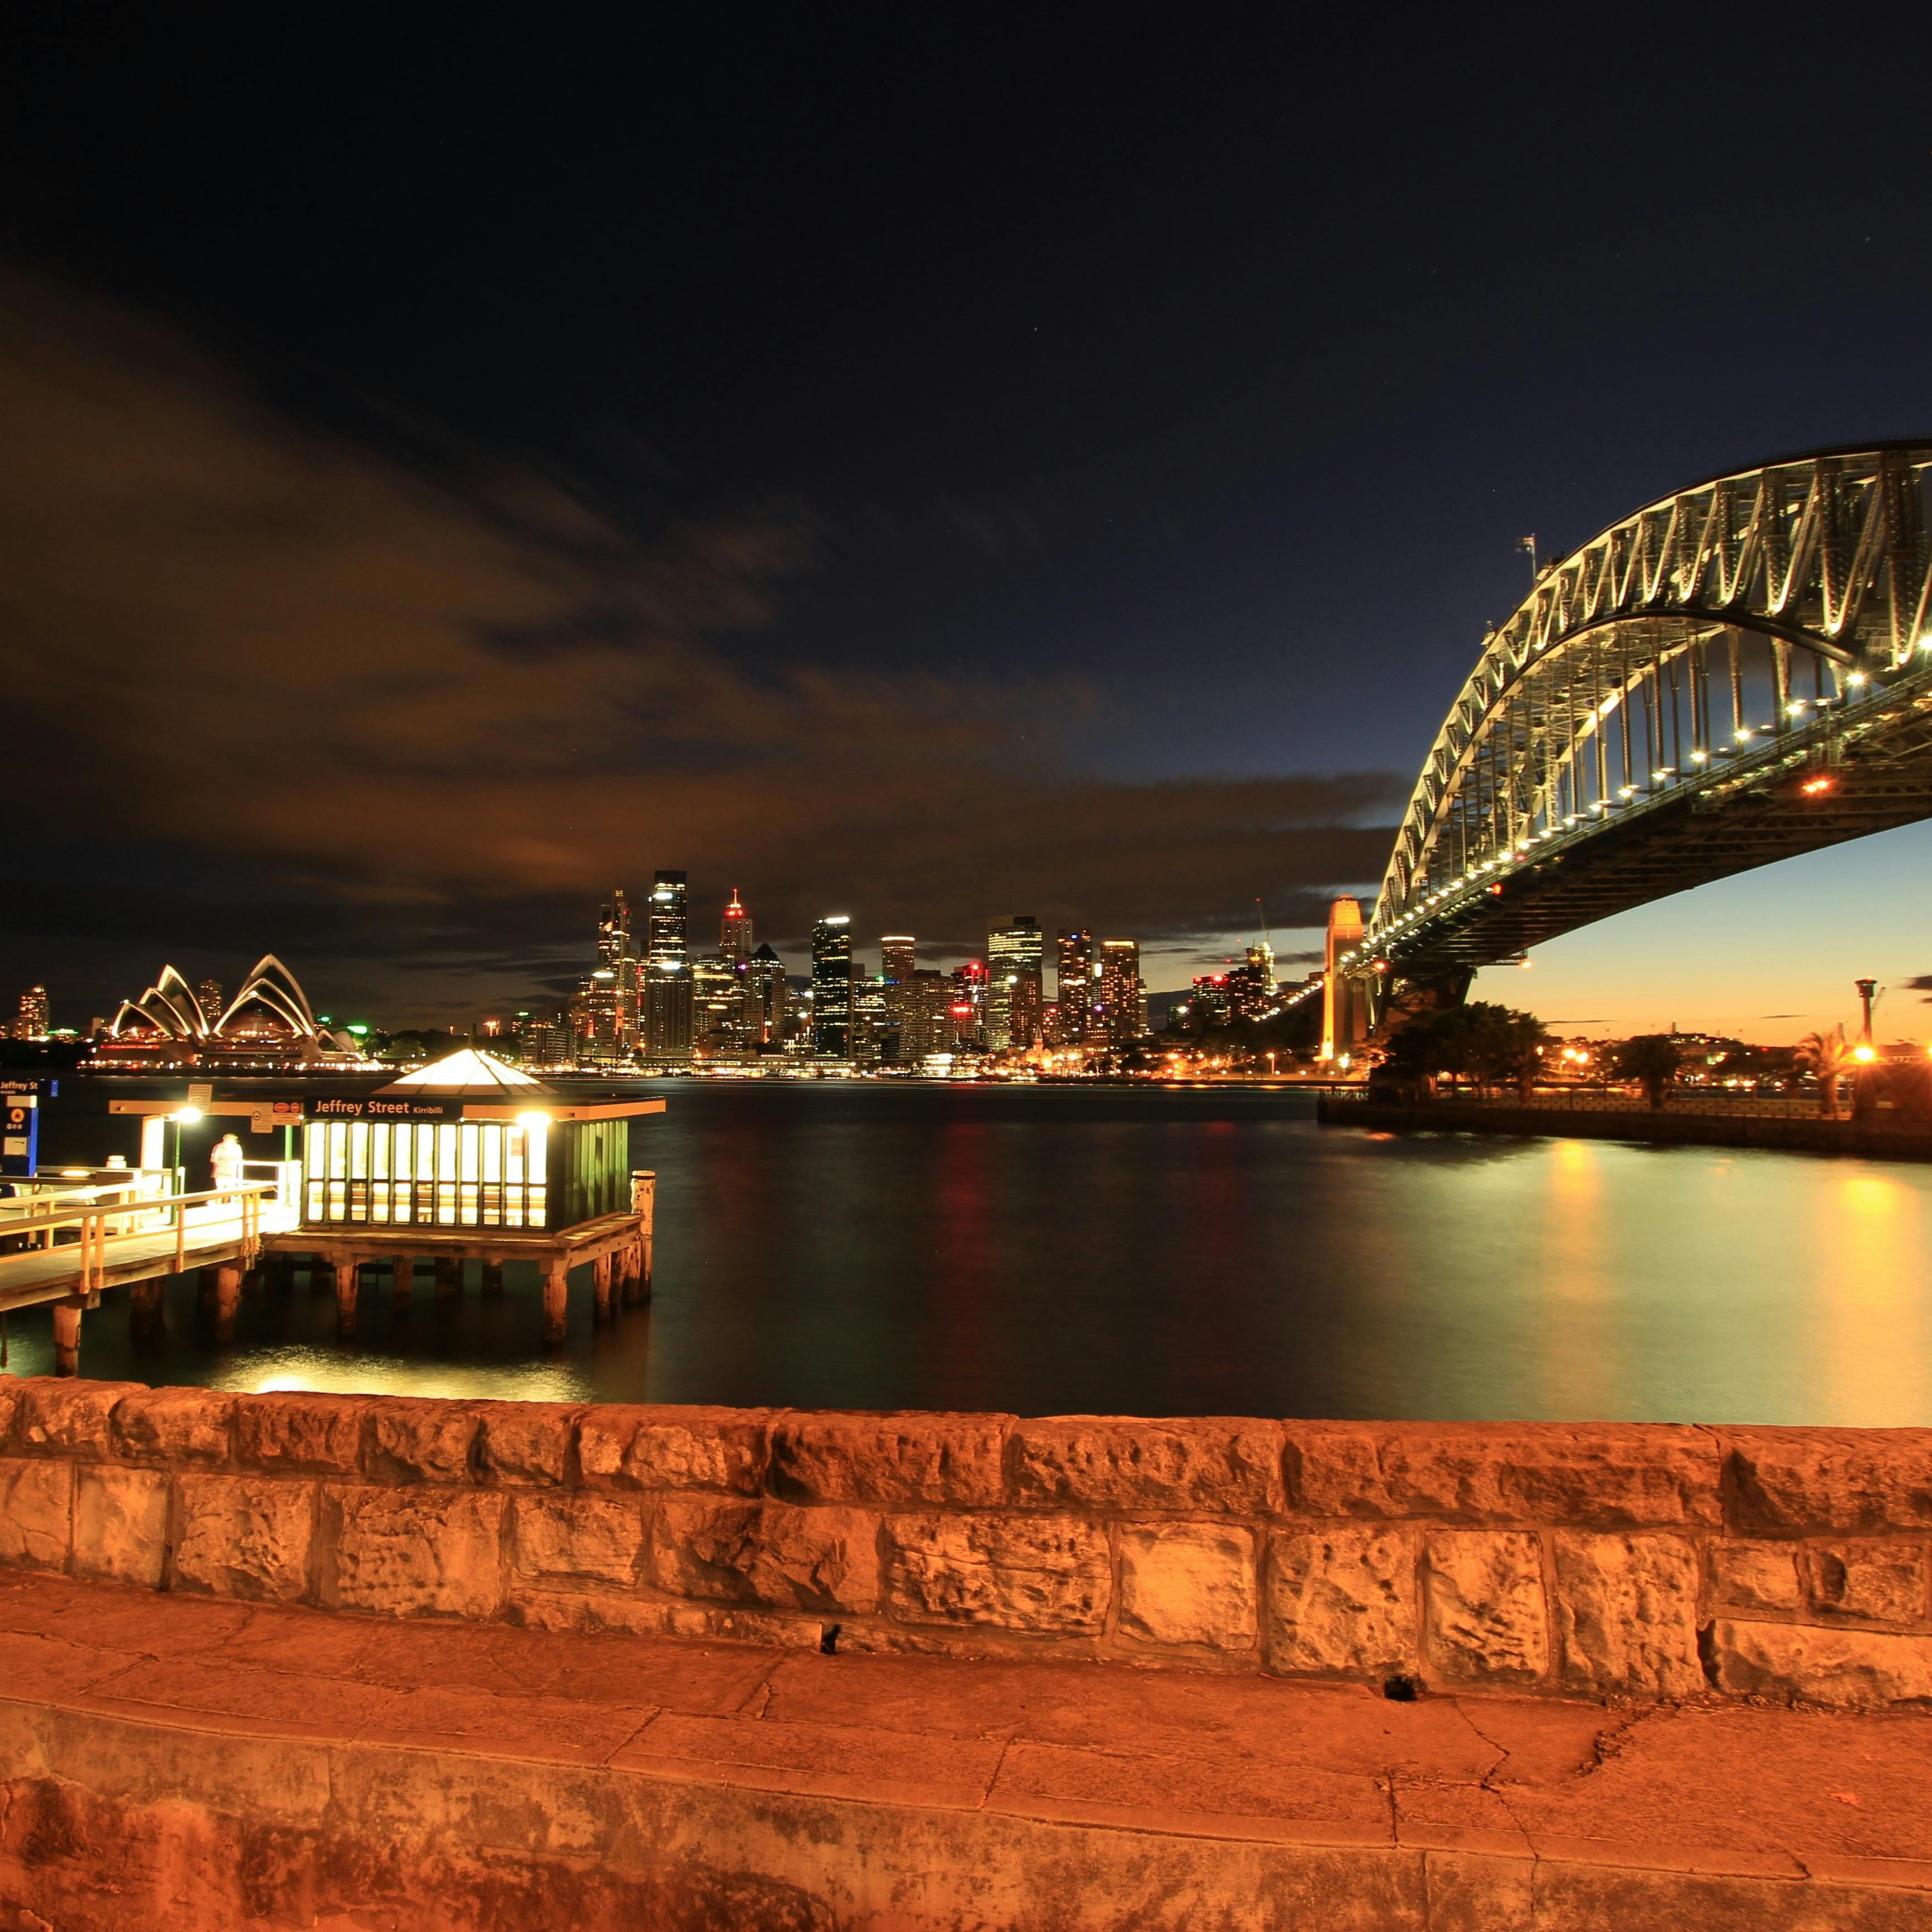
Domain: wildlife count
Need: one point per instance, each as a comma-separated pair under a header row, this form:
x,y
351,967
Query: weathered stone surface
x,y
1883,1581
317,1434
915,1458
1484,1620
248,1536
596,1538
1188,1582
9,1407
1626,1611
1853,1480
1231,1467
1602,1476
1851,1669
121,1524
524,1443
410,1441
1752,1575
623,1447
779,1554
1343,1599
36,1512
1047,1574
413,1553
592,1609
57,1414
174,1425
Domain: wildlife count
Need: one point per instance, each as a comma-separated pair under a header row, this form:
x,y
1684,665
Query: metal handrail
x,y
95,1228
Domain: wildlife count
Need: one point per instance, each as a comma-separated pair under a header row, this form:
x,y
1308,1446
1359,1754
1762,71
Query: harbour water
x,y
1146,1251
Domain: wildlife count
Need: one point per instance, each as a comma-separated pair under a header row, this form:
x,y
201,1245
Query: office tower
x,y
765,997
1075,990
925,1002
617,959
832,986
31,1020
1123,1004
1251,990
735,939
875,1033
716,1001
1013,993
668,1013
968,1013
897,964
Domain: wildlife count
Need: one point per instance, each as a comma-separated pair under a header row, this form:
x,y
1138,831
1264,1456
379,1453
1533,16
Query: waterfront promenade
x,y
355,1661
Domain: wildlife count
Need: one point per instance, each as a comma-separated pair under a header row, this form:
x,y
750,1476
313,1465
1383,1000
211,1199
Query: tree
x,y
1828,1058
1495,1045
1650,1059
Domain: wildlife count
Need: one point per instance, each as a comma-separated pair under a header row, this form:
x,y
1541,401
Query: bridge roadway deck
x,y
37,1275
174,1761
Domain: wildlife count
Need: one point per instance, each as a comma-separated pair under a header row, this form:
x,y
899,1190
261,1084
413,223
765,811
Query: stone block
x,y
1626,1614
1343,1599
1188,1582
412,1442
174,1426
592,1538
778,1554
309,1434
1482,1616
56,1413
413,1553
1853,1481
36,1513
121,1524
9,1407
1752,1575
521,1443
1602,1476
1848,1669
1049,1574
248,1536
1885,1582
888,1459
622,1447
1227,1467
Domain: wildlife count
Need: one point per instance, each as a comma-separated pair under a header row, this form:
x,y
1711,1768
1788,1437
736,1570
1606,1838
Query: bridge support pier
x,y
348,1278
638,1257
145,1307
600,1281
448,1277
556,1297
67,1338
227,1300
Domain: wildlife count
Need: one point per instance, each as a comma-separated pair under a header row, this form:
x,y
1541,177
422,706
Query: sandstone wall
x,y
1600,1560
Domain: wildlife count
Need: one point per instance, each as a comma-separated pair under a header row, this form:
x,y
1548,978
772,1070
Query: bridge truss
x,y
1731,675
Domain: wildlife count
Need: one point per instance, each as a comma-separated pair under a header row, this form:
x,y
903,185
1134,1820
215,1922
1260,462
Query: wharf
x,y
179,1762
1662,1129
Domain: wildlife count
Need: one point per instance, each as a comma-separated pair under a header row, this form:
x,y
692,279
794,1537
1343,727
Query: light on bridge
x,y
1811,787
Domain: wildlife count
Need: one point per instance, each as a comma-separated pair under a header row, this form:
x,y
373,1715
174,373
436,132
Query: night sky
x,y
927,463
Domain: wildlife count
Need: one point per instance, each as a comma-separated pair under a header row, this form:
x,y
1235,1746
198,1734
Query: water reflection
x,y
1051,1250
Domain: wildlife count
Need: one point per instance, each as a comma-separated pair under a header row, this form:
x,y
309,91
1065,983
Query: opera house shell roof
x,y
268,1023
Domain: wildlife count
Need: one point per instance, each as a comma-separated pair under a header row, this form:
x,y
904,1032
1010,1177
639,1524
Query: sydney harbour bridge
x,y
1735,673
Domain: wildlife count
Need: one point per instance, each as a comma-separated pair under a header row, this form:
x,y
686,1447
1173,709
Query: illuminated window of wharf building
x,y
427,1173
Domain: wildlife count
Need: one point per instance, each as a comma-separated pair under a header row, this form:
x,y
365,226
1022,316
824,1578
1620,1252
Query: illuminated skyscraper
x,y
1122,1013
667,981
832,986
1075,990
1014,997
925,999
897,965
735,939
967,1014
765,998
31,1020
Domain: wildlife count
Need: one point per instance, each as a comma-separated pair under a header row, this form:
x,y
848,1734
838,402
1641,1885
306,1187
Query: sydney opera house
x,y
267,1027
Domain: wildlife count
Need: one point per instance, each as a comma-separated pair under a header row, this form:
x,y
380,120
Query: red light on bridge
x,y
1811,787
1496,891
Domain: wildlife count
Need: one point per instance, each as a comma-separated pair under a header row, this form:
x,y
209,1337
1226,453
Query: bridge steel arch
x,y
1733,674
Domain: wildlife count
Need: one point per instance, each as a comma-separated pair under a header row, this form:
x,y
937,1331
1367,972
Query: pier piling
x,y
348,1276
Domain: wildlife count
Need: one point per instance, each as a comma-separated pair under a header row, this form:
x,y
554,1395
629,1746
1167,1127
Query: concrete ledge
x,y
177,1764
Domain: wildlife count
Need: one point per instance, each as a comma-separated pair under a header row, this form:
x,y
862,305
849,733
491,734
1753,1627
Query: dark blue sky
x,y
1096,398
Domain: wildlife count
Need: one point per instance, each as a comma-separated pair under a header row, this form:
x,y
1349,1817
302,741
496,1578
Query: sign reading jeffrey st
x,y
375,1107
